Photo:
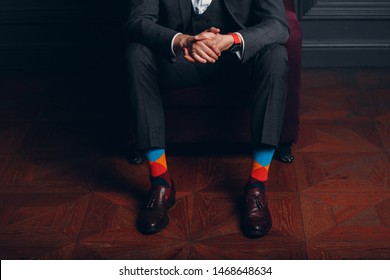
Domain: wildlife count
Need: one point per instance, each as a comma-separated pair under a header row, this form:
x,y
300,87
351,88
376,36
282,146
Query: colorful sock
x,y
260,165
158,168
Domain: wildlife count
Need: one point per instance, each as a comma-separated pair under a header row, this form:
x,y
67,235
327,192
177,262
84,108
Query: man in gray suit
x,y
228,43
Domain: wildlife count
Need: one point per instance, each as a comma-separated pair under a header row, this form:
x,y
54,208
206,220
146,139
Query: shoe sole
x,y
155,230
255,234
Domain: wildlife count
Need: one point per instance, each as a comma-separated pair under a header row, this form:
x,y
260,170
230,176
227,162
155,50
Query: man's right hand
x,y
195,50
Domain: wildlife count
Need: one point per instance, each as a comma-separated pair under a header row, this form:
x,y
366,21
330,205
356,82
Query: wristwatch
x,y
237,43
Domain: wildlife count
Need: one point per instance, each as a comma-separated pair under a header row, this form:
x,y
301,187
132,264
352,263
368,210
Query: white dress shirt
x,y
200,6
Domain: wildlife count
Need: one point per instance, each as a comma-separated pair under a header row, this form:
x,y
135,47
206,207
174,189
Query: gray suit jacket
x,y
155,22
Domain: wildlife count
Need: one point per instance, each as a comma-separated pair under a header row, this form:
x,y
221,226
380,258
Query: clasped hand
x,y
206,47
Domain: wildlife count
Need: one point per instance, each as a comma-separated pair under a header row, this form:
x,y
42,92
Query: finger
x,y
188,56
211,47
204,55
214,30
189,59
209,51
205,52
215,49
204,35
199,59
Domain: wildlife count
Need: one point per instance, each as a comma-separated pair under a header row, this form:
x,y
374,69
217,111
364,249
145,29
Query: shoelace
x,y
258,203
151,201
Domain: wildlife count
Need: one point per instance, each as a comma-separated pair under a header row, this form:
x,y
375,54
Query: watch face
x,y
235,48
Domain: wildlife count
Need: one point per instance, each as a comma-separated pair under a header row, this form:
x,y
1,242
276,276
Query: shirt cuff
x,y
240,53
173,39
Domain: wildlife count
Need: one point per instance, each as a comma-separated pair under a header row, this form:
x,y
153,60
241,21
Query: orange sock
x,y
158,168
260,165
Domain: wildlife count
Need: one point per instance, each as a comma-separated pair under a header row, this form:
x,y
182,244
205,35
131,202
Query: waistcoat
x,y
216,15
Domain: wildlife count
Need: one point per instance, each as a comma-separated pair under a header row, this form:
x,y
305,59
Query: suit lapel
x,y
234,7
185,11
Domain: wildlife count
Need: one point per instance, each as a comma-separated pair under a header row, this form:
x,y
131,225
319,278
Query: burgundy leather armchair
x,y
294,49
201,115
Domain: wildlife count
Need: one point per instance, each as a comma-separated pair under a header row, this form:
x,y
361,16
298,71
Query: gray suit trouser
x,y
265,73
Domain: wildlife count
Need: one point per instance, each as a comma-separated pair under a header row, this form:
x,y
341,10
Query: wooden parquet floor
x,y
68,192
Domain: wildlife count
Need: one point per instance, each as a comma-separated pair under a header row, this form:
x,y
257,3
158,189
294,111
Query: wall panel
x,y
345,33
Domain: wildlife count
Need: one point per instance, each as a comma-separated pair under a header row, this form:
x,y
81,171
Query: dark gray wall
x,y
345,33
87,33
61,33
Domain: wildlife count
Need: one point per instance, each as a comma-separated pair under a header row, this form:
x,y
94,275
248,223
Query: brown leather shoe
x,y
257,218
154,214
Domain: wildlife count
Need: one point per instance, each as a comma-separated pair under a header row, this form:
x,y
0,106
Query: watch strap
x,y
237,39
